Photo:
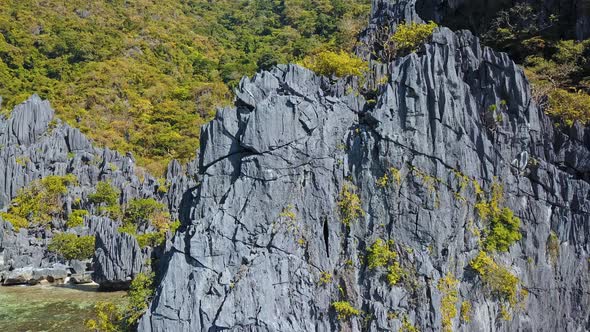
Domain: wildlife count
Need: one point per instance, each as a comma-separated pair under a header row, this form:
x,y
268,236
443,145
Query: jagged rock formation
x,y
264,227
118,257
35,144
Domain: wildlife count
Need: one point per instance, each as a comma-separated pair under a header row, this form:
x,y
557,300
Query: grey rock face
x,y
118,257
264,224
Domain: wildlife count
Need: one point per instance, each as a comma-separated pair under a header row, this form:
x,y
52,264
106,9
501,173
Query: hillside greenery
x,y
143,75
557,65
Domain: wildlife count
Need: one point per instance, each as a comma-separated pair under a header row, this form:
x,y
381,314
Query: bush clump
x,y
143,211
72,246
408,37
40,201
569,107
17,222
344,310
504,230
349,205
447,285
76,218
107,198
503,227
338,64
113,318
105,194
497,279
381,254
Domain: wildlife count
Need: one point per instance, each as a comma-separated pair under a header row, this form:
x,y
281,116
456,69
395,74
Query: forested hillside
x,y
143,75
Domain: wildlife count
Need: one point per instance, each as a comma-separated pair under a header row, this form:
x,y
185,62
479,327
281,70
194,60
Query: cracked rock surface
x,y
35,144
263,226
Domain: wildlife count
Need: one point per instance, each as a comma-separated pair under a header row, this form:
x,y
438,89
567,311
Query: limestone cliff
x,y
264,246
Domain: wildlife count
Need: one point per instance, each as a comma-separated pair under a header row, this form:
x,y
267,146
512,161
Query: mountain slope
x,y
142,76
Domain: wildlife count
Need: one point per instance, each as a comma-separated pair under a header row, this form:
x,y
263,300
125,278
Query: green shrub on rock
x,y
569,107
447,286
380,254
349,205
344,310
105,194
139,296
76,218
40,201
408,37
107,198
504,230
72,246
17,222
497,279
118,318
339,64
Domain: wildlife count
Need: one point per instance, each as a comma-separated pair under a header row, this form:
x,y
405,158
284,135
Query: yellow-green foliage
x,y
144,75
76,218
344,310
407,325
392,173
108,318
175,226
553,246
139,295
162,186
447,286
17,222
105,194
562,75
325,278
466,311
497,279
288,213
503,227
381,254
107,198
503,232
408,37
72,246
569,106
140,211
113,318
150,239
41,200
339,64
349,205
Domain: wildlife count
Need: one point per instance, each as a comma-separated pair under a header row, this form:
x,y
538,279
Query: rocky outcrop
x,y
35,144
118,257
264,247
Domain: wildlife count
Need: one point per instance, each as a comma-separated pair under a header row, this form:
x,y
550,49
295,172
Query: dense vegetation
x,y
72,246
558,66
143,75
140,213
